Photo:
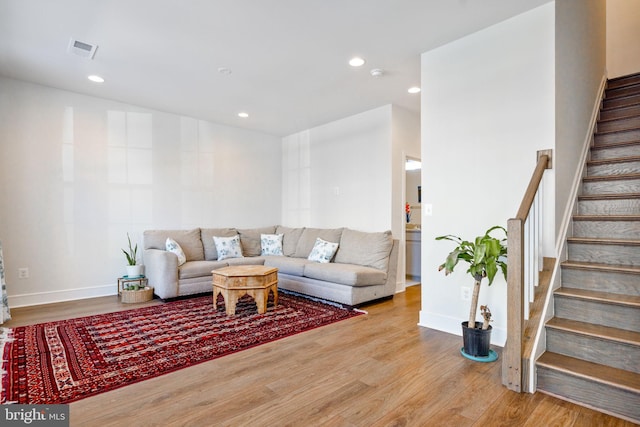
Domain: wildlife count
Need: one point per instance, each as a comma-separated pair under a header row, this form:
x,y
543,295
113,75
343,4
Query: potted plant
x,y
485,256
133,268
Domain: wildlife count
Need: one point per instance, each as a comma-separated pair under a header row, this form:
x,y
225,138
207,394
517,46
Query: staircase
x,y
593,342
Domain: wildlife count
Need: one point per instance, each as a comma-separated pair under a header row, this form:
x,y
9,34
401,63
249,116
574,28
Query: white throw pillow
x,y
173,246
323,251
271,244
228,247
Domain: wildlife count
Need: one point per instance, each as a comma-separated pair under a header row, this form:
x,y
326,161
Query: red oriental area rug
x,y
60,362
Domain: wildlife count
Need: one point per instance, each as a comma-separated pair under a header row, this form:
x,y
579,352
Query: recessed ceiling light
x,y
414,89
96,79
243,115
356,62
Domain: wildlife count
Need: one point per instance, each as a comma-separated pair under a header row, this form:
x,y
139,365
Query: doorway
x,y
413,220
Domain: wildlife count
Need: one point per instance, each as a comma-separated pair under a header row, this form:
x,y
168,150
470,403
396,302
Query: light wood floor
x,y
380,369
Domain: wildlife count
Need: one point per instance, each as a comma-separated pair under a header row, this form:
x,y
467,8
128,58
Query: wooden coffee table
x,y
254,280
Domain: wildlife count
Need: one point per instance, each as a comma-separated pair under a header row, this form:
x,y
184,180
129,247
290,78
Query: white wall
x,y
623,37
77,173
580,72
350,173
339,174
487,107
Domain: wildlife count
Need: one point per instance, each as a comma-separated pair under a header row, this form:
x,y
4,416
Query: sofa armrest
x,y
392,271
161,268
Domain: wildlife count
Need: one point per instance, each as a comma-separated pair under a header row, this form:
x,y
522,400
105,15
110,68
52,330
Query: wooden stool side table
x,y
233,282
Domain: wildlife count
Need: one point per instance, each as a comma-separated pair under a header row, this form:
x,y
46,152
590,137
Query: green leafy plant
x,y
132,253
485,256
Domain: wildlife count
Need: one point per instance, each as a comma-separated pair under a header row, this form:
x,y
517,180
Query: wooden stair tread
x,y
614,377
629,101
603,241
614,145
625,115
622,91
604,297
620,81
606,217
592,178
613,161
609,196
596,331
611,268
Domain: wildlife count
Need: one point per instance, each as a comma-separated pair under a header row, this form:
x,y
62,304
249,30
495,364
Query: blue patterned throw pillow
x,y
228,247
173,246
271,244
323,251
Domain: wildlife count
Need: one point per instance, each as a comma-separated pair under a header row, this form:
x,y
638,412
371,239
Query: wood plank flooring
x,y
380,369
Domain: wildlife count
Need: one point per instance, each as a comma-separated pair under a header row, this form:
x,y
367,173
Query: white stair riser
x,y
624,123
609,207
614,186
618,401
593,280
604,254
629,89
610,229
621,102
616,137
623,81
605,352
614,168
620,112
599,313
616,152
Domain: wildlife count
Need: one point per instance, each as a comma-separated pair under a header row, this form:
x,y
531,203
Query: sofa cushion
x,y
290,237
345,274
308,239
287,265
228,247
206,234
173,247
323,251
367,249
250,239
254,260
271,244
193,269
189,241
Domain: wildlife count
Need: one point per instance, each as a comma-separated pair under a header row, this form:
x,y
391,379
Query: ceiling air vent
x,y
83,49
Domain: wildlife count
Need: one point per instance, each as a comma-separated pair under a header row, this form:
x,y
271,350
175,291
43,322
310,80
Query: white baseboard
x,y
49,297
451,325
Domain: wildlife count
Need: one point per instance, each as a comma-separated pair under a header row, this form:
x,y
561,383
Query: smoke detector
x,y
377,72
83,49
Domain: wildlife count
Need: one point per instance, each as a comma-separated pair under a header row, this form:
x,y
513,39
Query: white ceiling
x,y
288,57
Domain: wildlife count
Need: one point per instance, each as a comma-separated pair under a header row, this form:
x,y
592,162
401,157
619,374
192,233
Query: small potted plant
x,y
485,256
133,268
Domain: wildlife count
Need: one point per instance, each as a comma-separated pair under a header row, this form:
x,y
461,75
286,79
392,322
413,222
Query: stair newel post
x,y
512,357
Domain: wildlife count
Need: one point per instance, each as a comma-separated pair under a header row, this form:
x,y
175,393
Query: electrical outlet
x,y
465,293
23,273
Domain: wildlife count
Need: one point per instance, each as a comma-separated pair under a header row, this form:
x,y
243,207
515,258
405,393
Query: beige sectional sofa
x,y
363,268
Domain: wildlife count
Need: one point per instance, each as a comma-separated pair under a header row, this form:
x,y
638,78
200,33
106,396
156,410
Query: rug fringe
x,y
6,337
323,301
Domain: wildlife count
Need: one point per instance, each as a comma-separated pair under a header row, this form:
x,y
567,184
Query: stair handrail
x,y
512,370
